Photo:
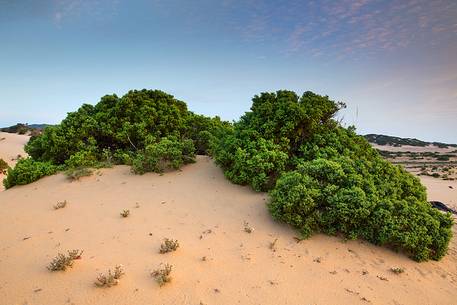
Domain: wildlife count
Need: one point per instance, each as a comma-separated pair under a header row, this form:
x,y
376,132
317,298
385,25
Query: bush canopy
x,y
323,177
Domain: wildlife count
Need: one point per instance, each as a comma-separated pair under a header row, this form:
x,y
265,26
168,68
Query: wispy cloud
x,y
346,27
68,9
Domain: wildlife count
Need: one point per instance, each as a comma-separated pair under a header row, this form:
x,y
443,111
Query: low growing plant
x,y
27,171
125,213
61,262
75,174
162,274
169,245
60,205
111,278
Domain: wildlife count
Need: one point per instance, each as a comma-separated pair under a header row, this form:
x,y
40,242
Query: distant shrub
x,y
111,278
168,153
27,171
442,158
61,262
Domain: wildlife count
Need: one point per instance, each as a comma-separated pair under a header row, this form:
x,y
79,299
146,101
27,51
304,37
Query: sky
x,y
394,63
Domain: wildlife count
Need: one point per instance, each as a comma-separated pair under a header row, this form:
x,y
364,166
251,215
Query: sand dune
x,y
206,213
11,145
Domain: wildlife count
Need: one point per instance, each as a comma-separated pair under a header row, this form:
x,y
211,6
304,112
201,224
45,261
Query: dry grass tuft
x,y
125,213
169,245
61,262
248,228
111,278
60,205
162,274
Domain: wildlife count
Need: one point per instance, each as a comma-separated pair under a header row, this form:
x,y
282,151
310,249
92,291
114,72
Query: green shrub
x,y
168,153
387,208
27,171
324,177
121,130
81,159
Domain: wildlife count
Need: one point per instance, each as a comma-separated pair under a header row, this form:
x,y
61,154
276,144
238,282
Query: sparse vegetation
x,y
397,270
248,228
60,205
168,245
125,213
75,174
272,245
61,262
162,275
111,278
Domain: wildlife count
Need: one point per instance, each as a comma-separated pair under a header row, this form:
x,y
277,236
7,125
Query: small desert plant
x,y
77,173
60,205
125,213
272,245
61,262
162,274
248,228
111,278
169,245
397,270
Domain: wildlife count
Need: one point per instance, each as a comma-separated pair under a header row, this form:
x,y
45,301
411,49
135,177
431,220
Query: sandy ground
x,y
206,213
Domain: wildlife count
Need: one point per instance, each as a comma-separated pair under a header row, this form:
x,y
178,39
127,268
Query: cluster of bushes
x,y
322,177
325,178
148,129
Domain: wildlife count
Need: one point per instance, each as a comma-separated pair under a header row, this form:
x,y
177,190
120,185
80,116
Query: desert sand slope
x,y
11,145
205,212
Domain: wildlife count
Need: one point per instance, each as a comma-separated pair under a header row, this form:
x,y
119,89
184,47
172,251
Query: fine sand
x,y
217,261
11,145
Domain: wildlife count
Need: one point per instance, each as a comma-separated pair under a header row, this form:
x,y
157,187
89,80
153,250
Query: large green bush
x,y
324,177
27,171
148,129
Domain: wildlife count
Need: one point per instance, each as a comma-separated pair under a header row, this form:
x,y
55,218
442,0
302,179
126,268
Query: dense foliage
x,y
324,177
133,129
168,153
27,171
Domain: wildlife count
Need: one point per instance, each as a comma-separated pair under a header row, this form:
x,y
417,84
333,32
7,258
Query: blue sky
x,y
394,63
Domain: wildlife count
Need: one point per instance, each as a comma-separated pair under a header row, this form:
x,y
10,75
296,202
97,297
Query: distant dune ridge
x,y
397,141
